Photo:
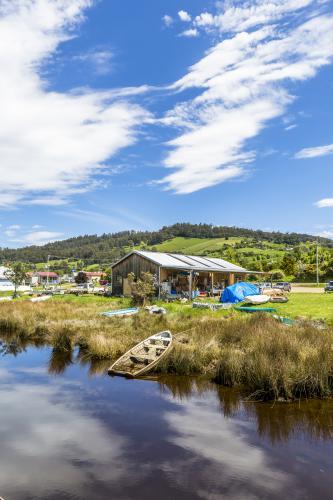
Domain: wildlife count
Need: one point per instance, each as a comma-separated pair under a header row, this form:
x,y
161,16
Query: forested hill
x,y
107,248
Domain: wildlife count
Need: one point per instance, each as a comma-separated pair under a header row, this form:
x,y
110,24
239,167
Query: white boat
x,y
257,299
143,357
121,312
42,298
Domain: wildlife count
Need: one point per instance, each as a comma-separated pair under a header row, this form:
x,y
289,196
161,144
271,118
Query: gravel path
x,y
307,289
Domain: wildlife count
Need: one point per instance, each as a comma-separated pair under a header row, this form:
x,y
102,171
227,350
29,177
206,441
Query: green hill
x,y
258,250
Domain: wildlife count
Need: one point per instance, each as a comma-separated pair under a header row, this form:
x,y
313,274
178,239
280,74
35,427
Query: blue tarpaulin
x,y
238,292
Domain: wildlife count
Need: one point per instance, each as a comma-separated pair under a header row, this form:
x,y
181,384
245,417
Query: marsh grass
x,y
268,359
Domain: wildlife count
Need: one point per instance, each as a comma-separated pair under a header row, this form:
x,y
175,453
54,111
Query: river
x,y
69,431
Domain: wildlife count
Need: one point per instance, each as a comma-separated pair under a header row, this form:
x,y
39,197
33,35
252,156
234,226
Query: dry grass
x,y
267,358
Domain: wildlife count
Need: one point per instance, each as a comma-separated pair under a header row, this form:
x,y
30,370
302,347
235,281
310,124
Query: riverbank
x,y
269,359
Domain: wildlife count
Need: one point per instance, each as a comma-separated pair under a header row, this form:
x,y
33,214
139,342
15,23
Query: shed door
x,y
126,288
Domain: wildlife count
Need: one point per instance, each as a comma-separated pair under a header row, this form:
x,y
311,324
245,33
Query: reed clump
x,y
266,358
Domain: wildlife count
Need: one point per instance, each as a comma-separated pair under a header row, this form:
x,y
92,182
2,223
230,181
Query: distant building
x,y
93,276
44,278
177,274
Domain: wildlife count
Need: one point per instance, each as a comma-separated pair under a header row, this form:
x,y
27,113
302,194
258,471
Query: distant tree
x,y
80,265
277,274
289,264
17,273
143,288
81,278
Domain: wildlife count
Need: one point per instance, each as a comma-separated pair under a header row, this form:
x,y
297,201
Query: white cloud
x,y
291,127
326,234
241,84
168,20
314,152
184,16
40,237
324,203
191,33
51,142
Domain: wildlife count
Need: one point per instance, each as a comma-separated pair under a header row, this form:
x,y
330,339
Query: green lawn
x,y
312,305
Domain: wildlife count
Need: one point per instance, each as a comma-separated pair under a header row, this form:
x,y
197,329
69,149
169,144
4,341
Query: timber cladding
x,y
134,263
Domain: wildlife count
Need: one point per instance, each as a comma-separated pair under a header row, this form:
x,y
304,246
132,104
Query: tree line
x,y
108,248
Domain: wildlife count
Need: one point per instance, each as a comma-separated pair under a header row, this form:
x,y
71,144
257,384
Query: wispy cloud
x,y
167,20
324,203
314,152
100,60
52,142
241,84
41,237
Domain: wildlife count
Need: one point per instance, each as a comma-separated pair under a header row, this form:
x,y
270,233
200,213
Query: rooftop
x,y
188,262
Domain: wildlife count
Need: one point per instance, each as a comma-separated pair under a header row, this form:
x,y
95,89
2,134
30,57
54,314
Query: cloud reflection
x,y
47,441
225,459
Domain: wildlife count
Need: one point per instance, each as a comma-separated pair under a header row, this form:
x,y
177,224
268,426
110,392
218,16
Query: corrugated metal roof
x,y
190,262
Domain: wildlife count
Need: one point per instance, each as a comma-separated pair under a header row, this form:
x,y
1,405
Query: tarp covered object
x,y
238,292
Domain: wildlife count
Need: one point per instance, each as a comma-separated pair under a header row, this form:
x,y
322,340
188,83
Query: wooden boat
x,y
121,312
279,299
143,357
256,299
255,309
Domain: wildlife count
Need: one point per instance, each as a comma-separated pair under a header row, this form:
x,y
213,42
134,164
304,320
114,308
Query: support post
x,y
231,279
159,283
190,284
212,285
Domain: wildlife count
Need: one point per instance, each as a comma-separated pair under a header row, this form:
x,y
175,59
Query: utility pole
x,y
317,262
47,271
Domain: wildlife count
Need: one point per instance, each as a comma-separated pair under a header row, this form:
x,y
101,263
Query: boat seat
x,y
142,359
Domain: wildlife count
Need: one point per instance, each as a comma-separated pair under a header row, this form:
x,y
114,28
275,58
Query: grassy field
x,y
211,246
268,359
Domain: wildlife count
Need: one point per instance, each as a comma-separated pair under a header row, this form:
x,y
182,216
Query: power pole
x,y
317,262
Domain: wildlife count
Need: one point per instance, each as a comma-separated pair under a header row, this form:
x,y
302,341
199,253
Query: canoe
x,y
143,357
121,312
256,309
257,299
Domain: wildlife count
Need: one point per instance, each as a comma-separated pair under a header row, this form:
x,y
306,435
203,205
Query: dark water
x,y
68,431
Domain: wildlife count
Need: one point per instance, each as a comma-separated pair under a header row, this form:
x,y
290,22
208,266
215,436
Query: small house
x,y
46,278
177,275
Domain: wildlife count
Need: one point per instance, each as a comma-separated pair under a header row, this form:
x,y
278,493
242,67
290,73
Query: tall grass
x,y
269,360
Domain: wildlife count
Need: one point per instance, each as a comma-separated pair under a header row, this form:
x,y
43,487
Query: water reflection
x,y
276,421
49,444
79,436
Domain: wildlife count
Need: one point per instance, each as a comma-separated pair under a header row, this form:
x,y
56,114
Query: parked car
x,y
283,285
329,287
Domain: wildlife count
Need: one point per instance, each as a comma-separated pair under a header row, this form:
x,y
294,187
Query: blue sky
x,y
132,115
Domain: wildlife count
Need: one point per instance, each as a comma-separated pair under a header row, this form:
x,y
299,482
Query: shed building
x,y
176,274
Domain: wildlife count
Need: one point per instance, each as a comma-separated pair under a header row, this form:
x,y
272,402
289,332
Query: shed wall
x,y
132,264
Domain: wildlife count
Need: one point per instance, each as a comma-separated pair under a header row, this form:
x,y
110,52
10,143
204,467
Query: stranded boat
x,y
42,298
143,357
121,312
256,299
255,309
